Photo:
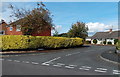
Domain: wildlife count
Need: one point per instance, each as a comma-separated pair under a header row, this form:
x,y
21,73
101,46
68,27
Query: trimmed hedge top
x,y
32,42
118,45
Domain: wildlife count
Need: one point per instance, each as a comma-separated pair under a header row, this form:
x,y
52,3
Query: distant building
x,y
9,29
109,36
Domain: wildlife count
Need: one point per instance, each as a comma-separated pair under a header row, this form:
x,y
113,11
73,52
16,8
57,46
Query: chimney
x,y
110,31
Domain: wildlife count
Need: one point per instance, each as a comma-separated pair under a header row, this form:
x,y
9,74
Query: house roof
x,y
105,35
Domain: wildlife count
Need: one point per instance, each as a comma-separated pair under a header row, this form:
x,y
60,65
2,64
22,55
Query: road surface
x,y
84,60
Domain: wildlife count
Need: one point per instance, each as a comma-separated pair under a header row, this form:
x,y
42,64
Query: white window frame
x,y
11,28
19,28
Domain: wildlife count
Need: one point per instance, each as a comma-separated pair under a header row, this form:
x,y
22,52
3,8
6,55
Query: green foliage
x,y
118,45
63,35
115,41
104,42
35,20
56,33
78,30
32,42
109,43
88,42
95,41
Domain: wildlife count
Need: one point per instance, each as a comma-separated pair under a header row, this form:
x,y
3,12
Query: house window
x,y
2,32
18,28
11,28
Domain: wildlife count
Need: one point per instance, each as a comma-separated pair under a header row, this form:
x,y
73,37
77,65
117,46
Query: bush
x,y
95,41
104,42
109,43
118,45
88,42
115,41
31,42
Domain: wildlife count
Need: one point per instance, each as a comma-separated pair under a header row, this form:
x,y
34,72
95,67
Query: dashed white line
x,y
16,61
1,59
70,66
101,68
100,71
68,55
9,60
35,63
85,68
59,65
116,72
47,64
26,62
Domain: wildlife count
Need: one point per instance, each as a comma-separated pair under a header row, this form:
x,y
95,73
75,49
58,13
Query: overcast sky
x,y
99,16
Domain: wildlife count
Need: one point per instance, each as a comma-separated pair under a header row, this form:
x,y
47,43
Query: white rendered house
x,y
109,36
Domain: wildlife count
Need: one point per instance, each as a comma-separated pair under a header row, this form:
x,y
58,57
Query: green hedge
x,y
31,42
118,45
87,42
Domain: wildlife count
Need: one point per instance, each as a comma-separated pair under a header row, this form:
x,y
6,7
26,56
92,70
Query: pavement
x,y
111,56
85,60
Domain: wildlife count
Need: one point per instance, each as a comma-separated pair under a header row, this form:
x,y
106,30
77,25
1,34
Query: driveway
x,y
84,60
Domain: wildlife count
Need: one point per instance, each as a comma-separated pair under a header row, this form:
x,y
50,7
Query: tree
x,y
35,20
63,35
78,29
56,33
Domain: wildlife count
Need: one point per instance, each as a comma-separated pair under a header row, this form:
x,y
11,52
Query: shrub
x,y
104,42
109,43
118,45
115,41
88,42
31,42
95,41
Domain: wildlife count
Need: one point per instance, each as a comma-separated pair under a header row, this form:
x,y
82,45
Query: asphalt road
x,y
84,60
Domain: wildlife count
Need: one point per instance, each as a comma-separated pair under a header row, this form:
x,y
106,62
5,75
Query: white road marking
x,y
85,68
68,55
1,59
16,61
103,70
59,65
100,71
35,63
53,59
25,61
116,72
70,66
9,60
49,62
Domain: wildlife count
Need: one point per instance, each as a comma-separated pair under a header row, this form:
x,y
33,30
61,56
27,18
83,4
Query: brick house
x,y
9,29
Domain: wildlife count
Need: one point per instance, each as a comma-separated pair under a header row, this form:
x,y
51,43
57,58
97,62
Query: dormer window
x,y
11,28
18,28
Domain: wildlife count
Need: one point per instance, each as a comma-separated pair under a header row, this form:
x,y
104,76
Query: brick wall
x,y
13,32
